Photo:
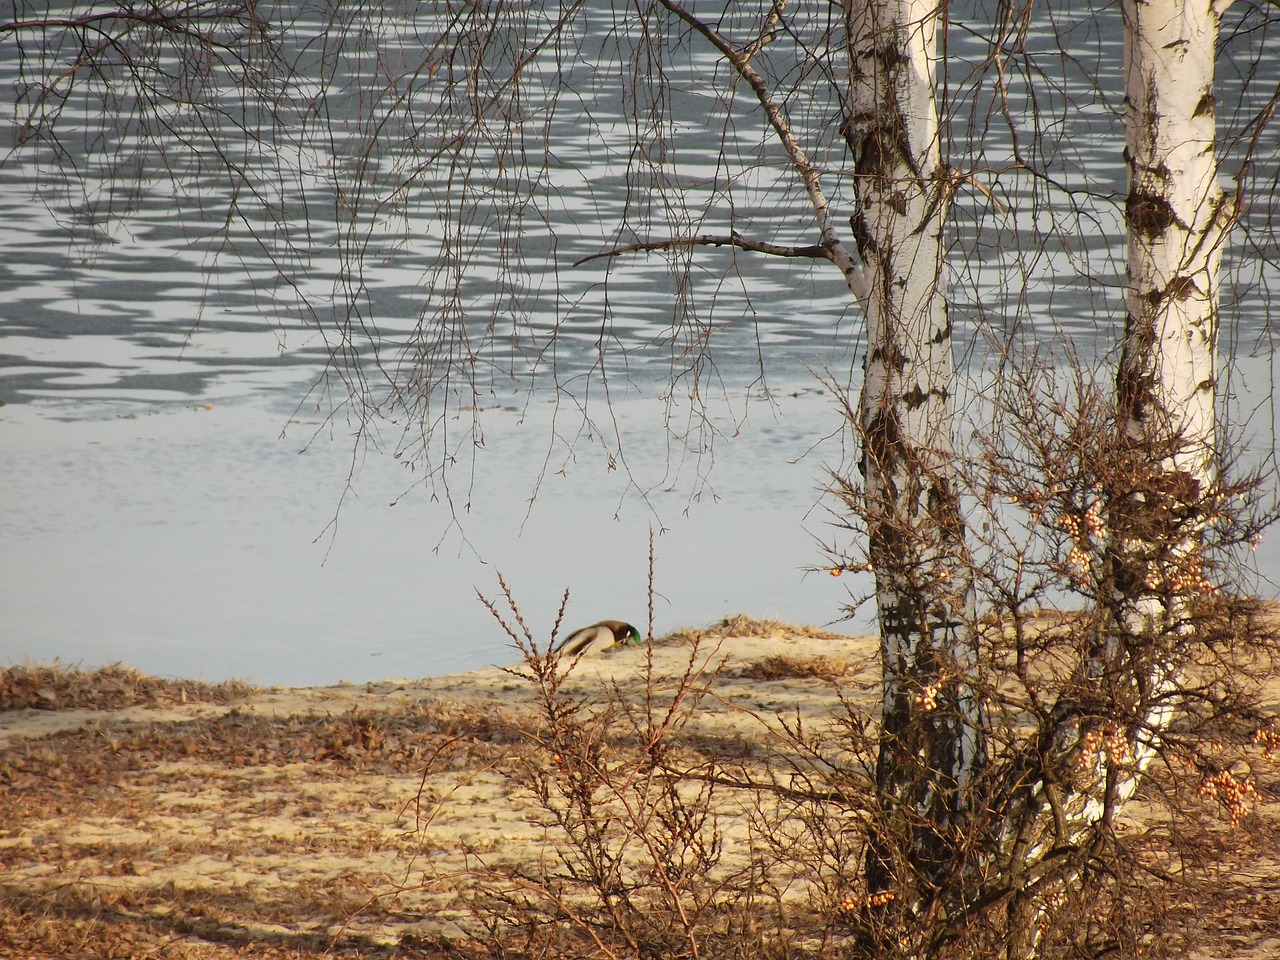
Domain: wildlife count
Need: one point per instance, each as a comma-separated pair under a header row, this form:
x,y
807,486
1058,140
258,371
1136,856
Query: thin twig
x,y
812,251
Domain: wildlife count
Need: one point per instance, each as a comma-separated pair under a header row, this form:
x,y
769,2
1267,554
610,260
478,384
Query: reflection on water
x,y
139,525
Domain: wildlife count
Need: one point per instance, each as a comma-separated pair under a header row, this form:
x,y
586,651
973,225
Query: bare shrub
x,y
1112,747
633,863
1081,705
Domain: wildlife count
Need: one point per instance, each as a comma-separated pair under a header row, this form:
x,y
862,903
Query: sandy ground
x,y
344,821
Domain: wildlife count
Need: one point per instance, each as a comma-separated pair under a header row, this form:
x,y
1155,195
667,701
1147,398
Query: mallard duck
x,y
597,637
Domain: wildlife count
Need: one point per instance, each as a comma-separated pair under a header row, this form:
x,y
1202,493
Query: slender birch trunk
x,y
932,736
1177,221
932,740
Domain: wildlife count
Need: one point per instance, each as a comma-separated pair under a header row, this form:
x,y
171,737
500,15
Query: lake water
x,y
197,542
185,490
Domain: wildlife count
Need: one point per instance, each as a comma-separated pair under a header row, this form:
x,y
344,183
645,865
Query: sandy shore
x,y
350,820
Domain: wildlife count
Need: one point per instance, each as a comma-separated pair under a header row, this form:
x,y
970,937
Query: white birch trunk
x,y
932,723
1178,220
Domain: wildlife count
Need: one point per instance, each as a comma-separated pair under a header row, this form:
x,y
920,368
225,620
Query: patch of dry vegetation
x,y
59,687
235,835
740,625
647,810
786,667
384,741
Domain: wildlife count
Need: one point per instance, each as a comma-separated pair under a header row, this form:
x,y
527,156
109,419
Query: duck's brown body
x,y
597,637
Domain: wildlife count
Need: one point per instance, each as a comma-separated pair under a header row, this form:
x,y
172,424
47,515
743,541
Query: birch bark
x,y
1177,221
932,740
932,724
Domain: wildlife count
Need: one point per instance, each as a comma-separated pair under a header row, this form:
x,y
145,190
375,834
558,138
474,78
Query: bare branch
x,y
181,21
815,251
809,172
767,32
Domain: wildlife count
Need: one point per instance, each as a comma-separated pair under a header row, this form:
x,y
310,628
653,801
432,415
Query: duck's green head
x,y
622,631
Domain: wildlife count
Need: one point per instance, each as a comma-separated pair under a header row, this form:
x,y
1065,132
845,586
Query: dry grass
x,y
59,687
340,832
228,836
784,667
740,625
